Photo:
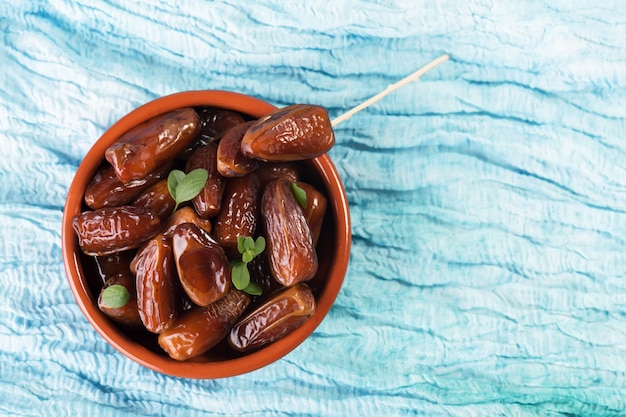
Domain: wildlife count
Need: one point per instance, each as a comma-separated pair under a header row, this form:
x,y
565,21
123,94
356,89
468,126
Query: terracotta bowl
x,y
333,248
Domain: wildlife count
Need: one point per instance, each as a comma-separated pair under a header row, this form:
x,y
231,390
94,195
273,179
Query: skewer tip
x,y
391,88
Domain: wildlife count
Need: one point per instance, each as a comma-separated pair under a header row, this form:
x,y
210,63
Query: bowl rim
x,y
142,355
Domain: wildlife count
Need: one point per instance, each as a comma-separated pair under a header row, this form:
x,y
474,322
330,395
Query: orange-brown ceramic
x,y
333,248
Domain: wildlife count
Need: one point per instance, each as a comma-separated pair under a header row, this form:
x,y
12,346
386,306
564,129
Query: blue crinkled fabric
x,y
488,200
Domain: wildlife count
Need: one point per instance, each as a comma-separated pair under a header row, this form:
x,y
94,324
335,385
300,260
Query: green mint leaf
x,y
248,243
184,187
247,256
299,193
240,275
191,185
115,296
253,289
259,245
240,246
173,179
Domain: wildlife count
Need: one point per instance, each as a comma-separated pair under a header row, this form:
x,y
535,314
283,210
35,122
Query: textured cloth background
x,y
488,200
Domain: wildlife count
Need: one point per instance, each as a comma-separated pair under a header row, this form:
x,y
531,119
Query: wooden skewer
x,y
390,89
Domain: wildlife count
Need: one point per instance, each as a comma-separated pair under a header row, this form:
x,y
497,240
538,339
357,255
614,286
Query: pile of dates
x,y
176,264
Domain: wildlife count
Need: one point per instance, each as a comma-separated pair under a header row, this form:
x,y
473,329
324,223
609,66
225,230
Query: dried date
x,y
291,252
315,209
157,198
106,190
113,229
157,289
208,202
128,314
230,161
270,171
280,315
186,215
199,329
239,213
153,143
295,132
203,268
214,122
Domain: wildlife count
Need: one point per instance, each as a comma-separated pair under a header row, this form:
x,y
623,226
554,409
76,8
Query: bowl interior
x,y
333,249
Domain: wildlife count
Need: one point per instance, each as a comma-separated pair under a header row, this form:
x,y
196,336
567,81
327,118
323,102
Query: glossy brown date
x,y
239,213
157,198
260,273
106,190
203,268
198,330
295,132
215,122
290,249
153,143
186,215
157,290
108,266
128,314
269,171
280,315
230,161
208,202
315,209
113,229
